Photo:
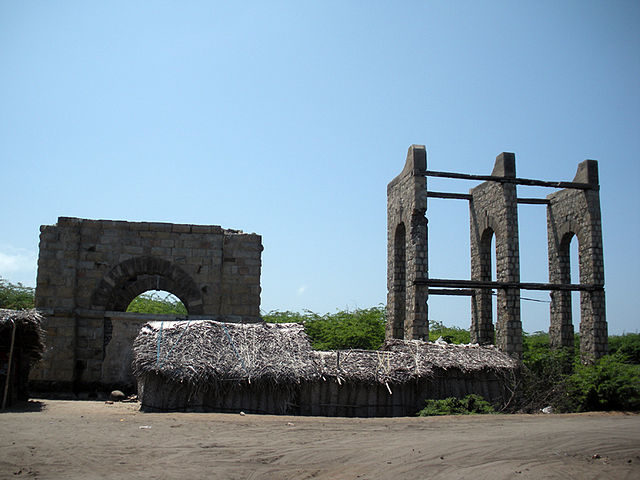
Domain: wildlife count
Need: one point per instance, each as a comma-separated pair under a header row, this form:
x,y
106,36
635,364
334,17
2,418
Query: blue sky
x,y
288,119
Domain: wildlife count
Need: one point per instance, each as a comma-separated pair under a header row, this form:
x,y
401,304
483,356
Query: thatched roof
x,y
467,358
205,352
371,366
29,332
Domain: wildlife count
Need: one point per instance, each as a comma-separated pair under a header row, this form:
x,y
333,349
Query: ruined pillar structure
x,y
407,249
576,212
494,212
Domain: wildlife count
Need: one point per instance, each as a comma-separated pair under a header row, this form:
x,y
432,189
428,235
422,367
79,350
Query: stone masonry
x,y
577,213
571,212
90,270
494,213
407,249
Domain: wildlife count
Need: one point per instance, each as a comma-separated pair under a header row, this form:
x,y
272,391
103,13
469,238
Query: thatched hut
x,y
209,365
271,368
21,346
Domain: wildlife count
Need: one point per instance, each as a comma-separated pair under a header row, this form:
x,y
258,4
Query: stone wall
x,y
494,213
407,249
576,213
88,269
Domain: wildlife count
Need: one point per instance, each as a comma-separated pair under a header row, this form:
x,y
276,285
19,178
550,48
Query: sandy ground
x,y
85,439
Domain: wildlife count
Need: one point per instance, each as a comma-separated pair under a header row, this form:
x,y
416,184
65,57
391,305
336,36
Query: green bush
x,y
154,303
627,345
469,405
610,384
16,296
448,334
362,328
559,379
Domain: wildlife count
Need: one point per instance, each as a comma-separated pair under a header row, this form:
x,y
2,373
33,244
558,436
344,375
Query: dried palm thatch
x,y
367,366
466,358
29,333
205,352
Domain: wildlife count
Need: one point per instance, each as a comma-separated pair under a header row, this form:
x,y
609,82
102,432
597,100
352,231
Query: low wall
x,y
321,398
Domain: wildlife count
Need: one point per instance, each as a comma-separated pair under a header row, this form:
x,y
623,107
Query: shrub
x,y
154,303
627,345
469,405
448,334
16,296
610,384
361,328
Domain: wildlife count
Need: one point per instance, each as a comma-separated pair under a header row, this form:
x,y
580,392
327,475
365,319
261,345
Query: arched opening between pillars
x,y
485,299
561,330
137,275
400,281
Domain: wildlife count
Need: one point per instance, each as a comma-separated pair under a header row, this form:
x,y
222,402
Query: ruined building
x,y
89,271
572,210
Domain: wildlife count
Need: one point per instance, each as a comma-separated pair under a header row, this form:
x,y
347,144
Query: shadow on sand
x,y
25,406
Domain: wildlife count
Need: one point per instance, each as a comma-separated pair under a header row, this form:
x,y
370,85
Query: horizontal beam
x,y
517,181
534,201
454,196
466,196
446,283
451,291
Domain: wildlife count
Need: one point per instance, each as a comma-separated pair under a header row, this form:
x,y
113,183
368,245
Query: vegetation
x,y
448,334
361,328
627,345
153,302
469,405
16,296
557,378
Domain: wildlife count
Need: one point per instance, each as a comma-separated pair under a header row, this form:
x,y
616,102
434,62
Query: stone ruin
x,y
573,210
89,271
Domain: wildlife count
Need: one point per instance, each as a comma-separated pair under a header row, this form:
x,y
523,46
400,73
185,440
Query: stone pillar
x,y
574,212
407,249
494,212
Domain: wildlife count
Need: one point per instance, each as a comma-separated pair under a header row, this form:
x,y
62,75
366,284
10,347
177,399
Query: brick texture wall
x,y
407,249
88,268
576,213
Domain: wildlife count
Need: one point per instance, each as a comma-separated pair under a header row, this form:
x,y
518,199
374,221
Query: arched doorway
x,y
137,275
130,280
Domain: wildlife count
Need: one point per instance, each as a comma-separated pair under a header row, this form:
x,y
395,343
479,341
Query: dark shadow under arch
x,y
130,278
400,281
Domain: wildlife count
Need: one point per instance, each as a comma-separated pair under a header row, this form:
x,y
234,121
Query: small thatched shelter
x,y
271,368
21,346
209,365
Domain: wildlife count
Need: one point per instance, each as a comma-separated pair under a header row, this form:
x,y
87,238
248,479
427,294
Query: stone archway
x,y
90,270
137,275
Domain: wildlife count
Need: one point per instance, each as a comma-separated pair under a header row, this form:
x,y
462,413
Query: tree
x,y
16,296
153,302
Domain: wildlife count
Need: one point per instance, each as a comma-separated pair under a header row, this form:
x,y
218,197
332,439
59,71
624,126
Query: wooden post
x,y
6,383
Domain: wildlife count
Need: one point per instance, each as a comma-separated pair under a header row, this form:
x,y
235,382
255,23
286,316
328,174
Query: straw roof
x,y
371,366
205,352
467,358
29,332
